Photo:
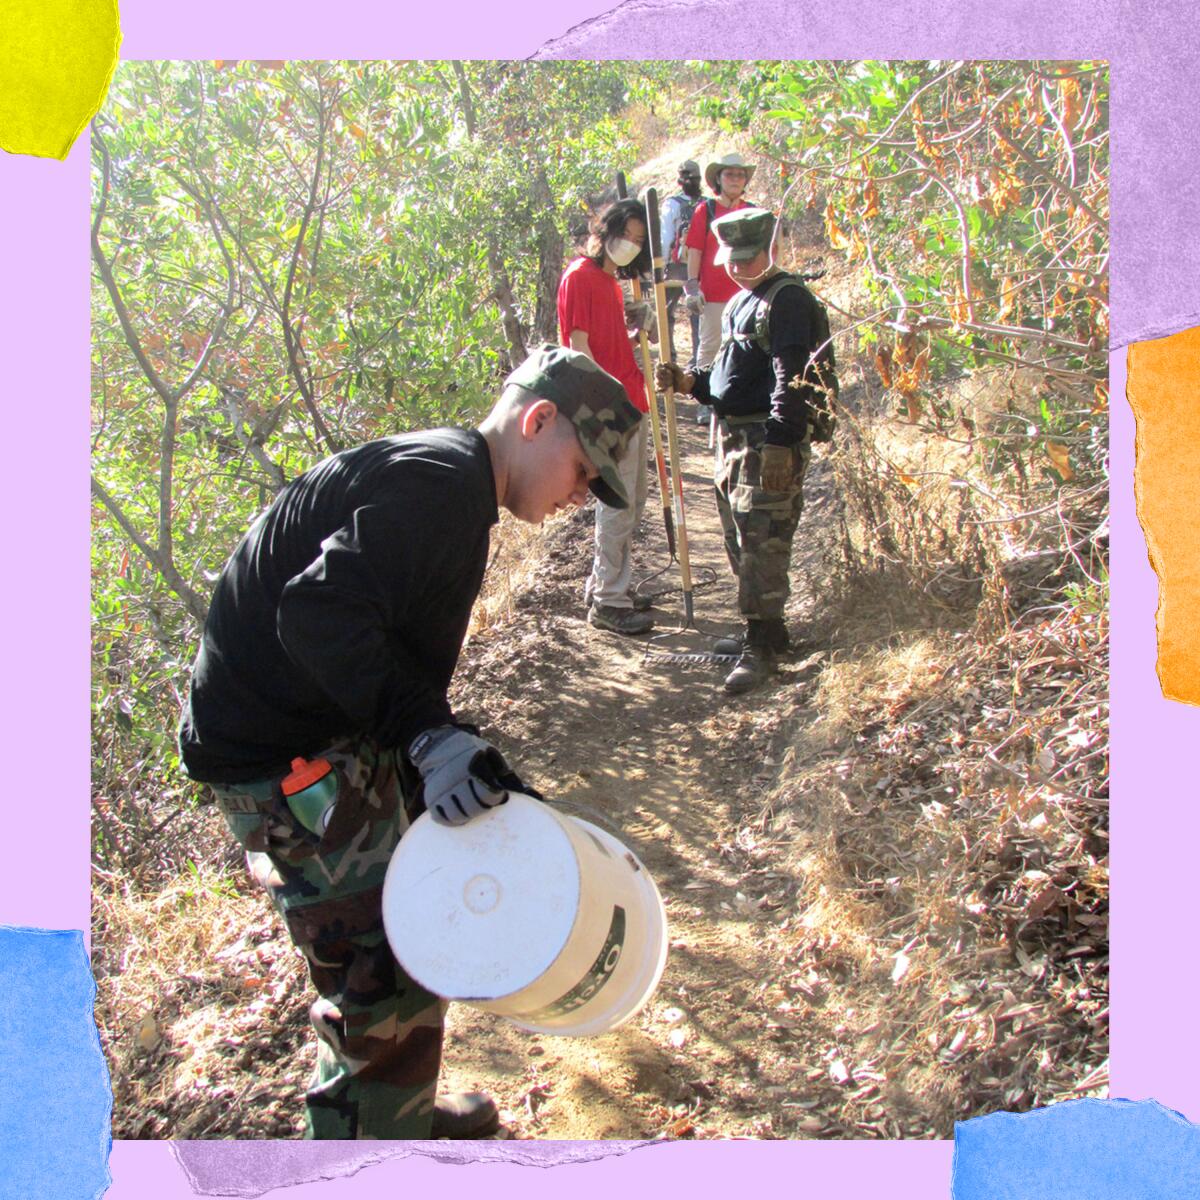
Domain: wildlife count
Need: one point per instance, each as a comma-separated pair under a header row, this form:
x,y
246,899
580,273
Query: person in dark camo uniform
x,y
771,386
330,643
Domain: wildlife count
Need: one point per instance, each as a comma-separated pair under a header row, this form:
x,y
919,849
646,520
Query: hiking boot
x,y
620,620
640,603
464,1115
754,667
772,633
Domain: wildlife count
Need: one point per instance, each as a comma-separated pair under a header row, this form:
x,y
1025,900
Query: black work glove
x,y
462,776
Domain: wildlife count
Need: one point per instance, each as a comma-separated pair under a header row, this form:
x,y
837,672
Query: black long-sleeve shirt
x,y
746,381
344,608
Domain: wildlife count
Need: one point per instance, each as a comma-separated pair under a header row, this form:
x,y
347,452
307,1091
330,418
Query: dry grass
x,y
188,978
516,553
945,805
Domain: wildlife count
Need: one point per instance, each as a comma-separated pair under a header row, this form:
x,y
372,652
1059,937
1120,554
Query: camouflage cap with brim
x,y
604,417
742,235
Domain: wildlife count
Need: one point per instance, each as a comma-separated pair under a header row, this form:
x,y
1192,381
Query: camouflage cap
x,y
689,166
743,234
603,415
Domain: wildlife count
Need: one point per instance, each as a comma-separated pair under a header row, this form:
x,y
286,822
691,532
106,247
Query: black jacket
x,y
746,381
344,608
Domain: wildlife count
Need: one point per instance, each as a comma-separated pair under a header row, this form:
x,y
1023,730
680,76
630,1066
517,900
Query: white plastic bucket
x,y
529,913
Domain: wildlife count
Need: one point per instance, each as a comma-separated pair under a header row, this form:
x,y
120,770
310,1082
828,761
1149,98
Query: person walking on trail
x,y
708,288
676,216
594,319
318,711
772,387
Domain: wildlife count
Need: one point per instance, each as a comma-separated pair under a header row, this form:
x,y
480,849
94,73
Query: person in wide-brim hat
x,y
713,170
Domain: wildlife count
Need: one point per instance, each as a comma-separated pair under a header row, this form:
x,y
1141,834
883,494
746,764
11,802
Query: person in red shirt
x,y
709,288
592,318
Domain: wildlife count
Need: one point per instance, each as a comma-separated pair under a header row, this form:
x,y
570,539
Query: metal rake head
x,y
683,655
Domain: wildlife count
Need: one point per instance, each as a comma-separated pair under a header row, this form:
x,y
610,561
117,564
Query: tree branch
x,y
195,604
291,337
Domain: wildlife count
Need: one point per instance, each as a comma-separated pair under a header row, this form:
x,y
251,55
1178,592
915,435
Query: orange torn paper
x,y
1164,392
56,62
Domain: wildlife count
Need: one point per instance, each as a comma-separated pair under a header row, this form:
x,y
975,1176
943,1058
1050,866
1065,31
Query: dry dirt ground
x,y
658,754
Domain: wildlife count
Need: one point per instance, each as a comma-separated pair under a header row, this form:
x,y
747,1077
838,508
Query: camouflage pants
x,y
758,525
379,1032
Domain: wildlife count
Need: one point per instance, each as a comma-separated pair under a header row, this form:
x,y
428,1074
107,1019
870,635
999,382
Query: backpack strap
x,y
762,316
710,210
684,207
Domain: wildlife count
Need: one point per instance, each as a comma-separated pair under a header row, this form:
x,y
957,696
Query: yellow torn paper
x,y
1164,392
56,61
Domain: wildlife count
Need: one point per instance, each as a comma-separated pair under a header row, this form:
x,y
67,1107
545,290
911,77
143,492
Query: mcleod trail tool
x,y
664,489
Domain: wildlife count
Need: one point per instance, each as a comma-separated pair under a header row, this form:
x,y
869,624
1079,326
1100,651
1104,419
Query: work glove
x,y
778,468
637,315
461,774
668,375
693,297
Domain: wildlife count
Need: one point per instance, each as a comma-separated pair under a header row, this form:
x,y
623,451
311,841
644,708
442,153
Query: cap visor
x,y
722,255
609,495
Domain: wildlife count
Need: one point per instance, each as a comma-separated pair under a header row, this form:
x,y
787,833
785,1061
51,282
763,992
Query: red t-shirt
x,y
714,281
591,300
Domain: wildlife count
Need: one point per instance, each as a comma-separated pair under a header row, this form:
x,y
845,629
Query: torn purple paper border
x,y
252,1168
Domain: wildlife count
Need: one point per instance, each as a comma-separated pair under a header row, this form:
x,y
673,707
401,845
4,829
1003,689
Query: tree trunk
x,y
550,261
508,307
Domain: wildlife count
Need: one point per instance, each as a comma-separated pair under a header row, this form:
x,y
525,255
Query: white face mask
x,y
621,251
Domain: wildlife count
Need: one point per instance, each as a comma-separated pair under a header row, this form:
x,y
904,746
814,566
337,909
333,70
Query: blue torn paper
x,y
1098,1149
55,1098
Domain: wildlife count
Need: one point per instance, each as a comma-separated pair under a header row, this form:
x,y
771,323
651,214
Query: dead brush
x,y
957,504
516,550
186,979
958,843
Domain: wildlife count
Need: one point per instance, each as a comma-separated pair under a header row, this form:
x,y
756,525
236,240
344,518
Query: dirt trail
x,y
661,756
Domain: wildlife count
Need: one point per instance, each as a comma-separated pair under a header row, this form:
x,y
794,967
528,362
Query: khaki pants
x,y
710,334
612,564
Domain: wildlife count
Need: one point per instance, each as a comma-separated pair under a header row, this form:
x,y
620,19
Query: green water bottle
x,y
311,792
